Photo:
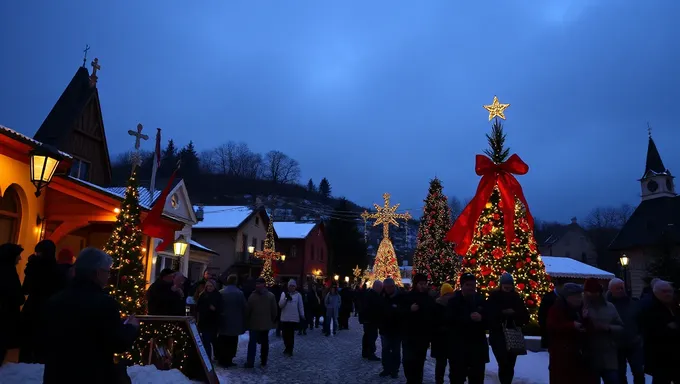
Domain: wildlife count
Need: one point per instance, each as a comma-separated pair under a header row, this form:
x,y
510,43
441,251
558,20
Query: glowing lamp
x,y
116,210
283,257
180,246
346,279
251,249
336,277
44,162
624,260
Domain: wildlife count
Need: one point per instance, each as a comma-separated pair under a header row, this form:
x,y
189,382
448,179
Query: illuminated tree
x,y
269,255
386,264
434,256
128,279
495,232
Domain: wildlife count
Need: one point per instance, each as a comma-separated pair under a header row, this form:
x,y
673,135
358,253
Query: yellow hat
x,y
446,289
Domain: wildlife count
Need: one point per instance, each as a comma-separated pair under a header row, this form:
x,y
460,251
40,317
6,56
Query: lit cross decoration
x,y
357,274
386,215
139,136
268,254
496,109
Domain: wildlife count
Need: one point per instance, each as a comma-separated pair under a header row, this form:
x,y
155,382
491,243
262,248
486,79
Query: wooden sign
x,y
158,354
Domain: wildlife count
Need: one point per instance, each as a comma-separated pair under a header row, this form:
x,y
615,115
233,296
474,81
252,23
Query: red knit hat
x,y
592,285
65,256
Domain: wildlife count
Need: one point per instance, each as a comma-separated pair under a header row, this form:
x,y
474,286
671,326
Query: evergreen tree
x,y
310,186
168,159
128,278
325,188
190,163
489,252
345,243
434,256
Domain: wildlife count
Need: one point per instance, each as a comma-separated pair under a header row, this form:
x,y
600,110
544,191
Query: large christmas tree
x,y
128,280
269,255
434,256
495,232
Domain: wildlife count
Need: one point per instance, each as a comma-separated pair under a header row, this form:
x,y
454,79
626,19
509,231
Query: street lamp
x,y
624,266
346,279
283,257
336,277
624,260
44,162
180,246
251,249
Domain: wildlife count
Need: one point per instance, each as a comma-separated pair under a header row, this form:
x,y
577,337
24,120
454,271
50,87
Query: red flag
x,y
153,225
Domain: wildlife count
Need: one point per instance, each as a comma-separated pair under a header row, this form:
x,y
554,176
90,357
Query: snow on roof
x,y
405,280
201,247
223,216
25,138
145,199
293,230
557,266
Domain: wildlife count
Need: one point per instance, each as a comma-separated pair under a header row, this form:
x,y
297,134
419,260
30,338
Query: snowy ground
x,y
318,359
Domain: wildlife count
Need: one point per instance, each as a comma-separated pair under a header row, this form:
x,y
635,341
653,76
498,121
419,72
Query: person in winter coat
x,y
209,309
469,351
441,334
547,301
11,297
505,309
603,328
630,344
42,279
83,327
232,322
661,333
418,310
346,303
292,312
277,290
369,316
389,327
332,303
304,293
312,304
567,364
260,318
165,297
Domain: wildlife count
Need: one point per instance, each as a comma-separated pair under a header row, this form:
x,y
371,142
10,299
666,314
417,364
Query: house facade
x,y
570,241
304,245
234,233
654,226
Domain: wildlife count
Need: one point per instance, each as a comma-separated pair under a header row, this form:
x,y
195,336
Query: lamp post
x,y
283,258
179,248
44,162
624,269
346,279
336,278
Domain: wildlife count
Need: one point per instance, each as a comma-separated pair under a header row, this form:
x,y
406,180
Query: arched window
x,y
10,216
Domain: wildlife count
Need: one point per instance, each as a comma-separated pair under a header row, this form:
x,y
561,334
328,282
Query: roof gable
x,y
224,216
293,230
178,204
556,266
649,222
653,163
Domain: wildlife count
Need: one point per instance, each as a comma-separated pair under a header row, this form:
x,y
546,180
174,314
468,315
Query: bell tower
x,y
657,181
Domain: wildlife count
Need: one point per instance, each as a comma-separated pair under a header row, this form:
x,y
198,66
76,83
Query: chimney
x,y
573,220
199,212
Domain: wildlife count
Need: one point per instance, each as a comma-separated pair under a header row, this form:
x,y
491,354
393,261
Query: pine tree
x,y
489,255
325,188
168,159
190,163
434,256
310,186
386,264
269,255
345,243
128,279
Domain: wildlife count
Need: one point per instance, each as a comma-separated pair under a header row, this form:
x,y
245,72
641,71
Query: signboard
x,y
159,355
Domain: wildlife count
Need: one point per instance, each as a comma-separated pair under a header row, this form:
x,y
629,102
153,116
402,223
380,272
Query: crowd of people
x,y
66,320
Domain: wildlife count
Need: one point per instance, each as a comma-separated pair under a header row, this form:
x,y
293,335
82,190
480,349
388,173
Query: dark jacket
x,y
417,325
468,337
546,302
371,304
11,297
391,315
83,330
209,318
346,300
629,311
662,355
440,330
497,302
42,279
162,300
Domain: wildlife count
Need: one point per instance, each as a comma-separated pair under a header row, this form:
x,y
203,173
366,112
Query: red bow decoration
x,y
492,174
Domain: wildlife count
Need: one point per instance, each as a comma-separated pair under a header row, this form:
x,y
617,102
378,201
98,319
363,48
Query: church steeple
x,y
657,180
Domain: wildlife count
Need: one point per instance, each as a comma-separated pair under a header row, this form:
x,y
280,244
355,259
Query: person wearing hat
x,y
260,318
418,308
505,309
440,347
567,364
469,349
604,326
389,327
164,298
292,312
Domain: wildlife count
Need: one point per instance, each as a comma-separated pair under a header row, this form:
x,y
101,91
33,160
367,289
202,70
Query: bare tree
x,y
208,161
457,205
235,159
609,217
280,168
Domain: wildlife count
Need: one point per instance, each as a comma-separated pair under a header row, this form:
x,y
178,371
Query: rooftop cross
x,y
649,130
139,136
87,48
95,68
386,215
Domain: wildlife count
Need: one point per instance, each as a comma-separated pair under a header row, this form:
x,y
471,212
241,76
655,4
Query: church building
x,y
655,224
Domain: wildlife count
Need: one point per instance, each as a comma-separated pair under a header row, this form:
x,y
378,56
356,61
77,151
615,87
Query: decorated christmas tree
x,y
386,264
434,256
269,255
495,231
128,280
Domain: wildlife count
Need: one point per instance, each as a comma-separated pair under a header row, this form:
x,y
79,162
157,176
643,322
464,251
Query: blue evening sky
x,y
378,96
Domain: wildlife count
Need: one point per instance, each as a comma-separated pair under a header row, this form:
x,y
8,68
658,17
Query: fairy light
x,y
269,255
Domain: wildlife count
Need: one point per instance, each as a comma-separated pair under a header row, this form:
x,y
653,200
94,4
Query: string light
x,y
268,254
434,256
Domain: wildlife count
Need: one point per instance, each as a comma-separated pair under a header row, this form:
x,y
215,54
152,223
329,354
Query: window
x,y
311,251
80,169
10,216
254,243
293,251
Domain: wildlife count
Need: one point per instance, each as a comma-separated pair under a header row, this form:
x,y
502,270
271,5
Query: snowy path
x,y
337,359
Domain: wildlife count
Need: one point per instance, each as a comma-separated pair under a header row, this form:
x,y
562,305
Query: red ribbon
x,y
492,174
